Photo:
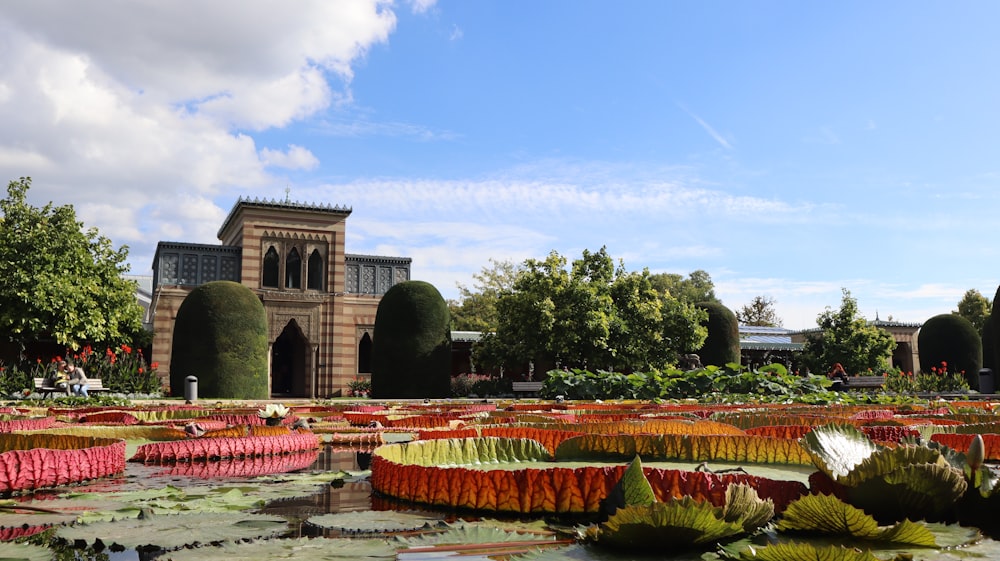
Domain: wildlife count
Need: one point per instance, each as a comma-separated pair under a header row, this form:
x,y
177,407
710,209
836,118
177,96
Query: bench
x,y
94,385
864,382
530,388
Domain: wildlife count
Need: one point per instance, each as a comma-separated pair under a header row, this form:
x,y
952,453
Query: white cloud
x,y
135,109
296,157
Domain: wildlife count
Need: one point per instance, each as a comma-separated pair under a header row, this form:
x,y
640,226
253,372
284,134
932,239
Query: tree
x,y
759,312
477,308
58,281
220,336
722,345
698,287
411,354
588,314
974,307
846,337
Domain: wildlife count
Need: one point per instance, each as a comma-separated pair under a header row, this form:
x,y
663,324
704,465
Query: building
x,y
320,301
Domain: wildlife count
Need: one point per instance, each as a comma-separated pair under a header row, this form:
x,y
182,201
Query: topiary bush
x,y
220,336
989,349
411,347
722,346
952,339
993,347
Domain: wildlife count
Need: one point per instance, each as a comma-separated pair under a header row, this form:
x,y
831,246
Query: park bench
x,y
865,382
94,385
530,388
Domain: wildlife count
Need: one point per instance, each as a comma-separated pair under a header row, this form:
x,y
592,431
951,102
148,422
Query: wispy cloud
x,y
708,128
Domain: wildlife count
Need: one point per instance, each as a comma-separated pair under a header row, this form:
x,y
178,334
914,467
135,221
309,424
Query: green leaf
x,y
805,552
633,489
826,514
373,521
743,505
300,549
680,524
24,552
837,449
172,531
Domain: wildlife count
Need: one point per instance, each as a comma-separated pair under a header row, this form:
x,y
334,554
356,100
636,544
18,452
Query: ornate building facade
x,y
320,301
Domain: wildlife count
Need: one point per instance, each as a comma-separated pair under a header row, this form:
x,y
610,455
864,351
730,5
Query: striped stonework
x,y
292,256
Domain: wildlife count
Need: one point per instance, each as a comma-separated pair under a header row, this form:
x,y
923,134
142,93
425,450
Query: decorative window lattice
x,y
168,268
351,279
189,269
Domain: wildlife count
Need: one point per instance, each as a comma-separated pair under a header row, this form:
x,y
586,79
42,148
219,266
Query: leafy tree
x,y
59,281
698,287
477,308
974,307
220,336
411,356
759,312
722,345
846,337
588,314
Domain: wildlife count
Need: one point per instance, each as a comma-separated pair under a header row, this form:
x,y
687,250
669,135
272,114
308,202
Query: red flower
x,y
154,365
140,370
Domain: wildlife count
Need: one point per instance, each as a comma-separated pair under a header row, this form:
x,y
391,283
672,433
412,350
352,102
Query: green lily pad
x,y
374,521
826,514
805,551
172,531
300,549
24,552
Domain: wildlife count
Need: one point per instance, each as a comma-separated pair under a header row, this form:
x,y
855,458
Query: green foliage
x,y
58,281
477,309
588,313
710,383
411,352
989,345
697,287
759,312
479,385
722,345
220,336
953,341
993,327
847,338
974,307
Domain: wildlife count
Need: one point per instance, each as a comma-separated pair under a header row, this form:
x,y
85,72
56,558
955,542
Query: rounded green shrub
x,y
994,334
411,347
989,346
952,339
722,345
220,336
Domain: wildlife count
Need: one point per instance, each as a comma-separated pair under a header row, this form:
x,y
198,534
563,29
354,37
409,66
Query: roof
x,y
761,338
281,205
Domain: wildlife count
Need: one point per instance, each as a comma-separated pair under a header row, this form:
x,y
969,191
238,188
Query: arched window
x,y
293,269
315,274
271,260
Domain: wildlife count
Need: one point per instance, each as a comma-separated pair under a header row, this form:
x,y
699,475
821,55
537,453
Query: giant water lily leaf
x,y
914,491
826,514
633,489
805,552
464,451
374,521
486,532
886,461
172,531
678,524
837,449
698,448
744,506
300,549
129,432
24,552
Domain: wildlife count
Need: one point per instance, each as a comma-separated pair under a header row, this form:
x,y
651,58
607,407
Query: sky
x,y
791,150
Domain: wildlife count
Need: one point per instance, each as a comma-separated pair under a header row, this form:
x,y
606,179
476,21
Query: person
x,y
839,375
77,380
58,378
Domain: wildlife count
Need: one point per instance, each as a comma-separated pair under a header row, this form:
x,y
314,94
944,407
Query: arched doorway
x,y
365,354
288,363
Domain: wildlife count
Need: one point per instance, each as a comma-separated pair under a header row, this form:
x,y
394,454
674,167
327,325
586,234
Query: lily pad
x,y
24,552
373,521
300,549
172,531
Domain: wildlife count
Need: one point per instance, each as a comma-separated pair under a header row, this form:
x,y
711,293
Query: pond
x,y
327,493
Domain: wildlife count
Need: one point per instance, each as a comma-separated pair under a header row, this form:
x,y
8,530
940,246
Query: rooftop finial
x,y
288,191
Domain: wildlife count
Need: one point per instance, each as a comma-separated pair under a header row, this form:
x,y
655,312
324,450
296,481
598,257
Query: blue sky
x,y
789,149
